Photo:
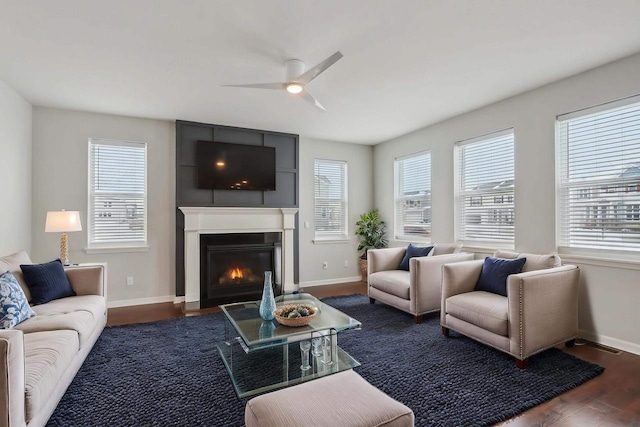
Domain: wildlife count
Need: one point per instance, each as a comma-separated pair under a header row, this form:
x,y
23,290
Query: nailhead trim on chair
x,y
520,321
415,281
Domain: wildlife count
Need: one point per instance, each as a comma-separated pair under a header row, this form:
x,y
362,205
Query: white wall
x,y
15,171
610,293
60,170
359,160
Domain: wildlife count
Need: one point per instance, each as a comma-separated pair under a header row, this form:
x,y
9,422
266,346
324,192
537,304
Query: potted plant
x,y
372,233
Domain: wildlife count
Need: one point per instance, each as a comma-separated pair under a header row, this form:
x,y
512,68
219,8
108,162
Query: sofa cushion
x,y
534,261
412,252
12,263
14,307
394,282
47,356
46,281
493,277
80,314
483,309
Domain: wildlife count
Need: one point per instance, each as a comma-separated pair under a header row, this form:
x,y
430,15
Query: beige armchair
x,y
416,291
539,311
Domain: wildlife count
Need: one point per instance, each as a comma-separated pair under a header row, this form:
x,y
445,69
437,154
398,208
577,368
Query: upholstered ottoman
x,y
344,399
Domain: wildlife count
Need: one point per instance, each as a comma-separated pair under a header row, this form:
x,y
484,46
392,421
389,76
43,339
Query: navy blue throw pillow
x,y
413,251
46,281
493,277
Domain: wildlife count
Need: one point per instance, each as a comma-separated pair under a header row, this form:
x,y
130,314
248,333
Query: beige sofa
x,y
40,356
540,310
416,291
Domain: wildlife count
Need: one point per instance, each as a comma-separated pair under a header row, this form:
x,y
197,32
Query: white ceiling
x,y
407,63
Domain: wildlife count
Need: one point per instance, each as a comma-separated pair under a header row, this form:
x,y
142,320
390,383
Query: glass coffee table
x,y
263,355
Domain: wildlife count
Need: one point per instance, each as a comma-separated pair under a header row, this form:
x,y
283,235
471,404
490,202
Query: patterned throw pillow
x,y
14,307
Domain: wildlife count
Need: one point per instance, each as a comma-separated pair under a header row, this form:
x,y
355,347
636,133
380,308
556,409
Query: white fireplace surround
x,y
204,220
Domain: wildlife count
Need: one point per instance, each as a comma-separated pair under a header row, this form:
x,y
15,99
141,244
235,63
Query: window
x,y
330,199
117,194
413,197
598,164
485,209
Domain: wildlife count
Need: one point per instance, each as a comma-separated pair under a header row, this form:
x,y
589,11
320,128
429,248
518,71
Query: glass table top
x,y
256,332
263,355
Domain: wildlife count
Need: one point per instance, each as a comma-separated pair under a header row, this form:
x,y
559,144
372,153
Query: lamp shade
x,y
62,222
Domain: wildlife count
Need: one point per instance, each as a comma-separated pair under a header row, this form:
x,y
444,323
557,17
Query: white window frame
x,y
123,245
494,206
601,190
424,202
322,236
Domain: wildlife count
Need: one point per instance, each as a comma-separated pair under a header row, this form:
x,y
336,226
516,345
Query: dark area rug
x,y
169,373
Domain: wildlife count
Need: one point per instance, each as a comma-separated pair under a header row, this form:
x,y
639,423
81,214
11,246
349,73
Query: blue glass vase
x,y
268,302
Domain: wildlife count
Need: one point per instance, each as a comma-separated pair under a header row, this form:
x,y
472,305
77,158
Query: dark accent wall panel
x,y
188,193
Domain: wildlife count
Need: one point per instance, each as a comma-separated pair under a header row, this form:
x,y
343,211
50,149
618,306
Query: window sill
x,y
330,240
627,264
480,248
116,249
404,240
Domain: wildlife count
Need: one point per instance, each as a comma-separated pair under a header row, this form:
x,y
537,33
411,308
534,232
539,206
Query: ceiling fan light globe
x,y
294,88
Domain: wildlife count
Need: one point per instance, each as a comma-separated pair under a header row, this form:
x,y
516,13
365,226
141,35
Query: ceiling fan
x,y
298,78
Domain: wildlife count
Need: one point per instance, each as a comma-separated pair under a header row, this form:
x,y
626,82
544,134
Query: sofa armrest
x,y
12,378
87,280
425,279
458,278
384,259
543,308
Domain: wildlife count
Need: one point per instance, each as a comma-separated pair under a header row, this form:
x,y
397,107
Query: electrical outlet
x,y
346,263
129,280
325,265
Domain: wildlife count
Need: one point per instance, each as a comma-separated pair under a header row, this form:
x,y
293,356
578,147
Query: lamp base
x,y
64,249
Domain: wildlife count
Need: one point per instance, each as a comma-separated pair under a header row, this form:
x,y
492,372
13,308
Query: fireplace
x,y
204,221
232,266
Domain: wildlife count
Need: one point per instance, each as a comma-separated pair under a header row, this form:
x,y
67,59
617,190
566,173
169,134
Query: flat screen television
x,y
236,166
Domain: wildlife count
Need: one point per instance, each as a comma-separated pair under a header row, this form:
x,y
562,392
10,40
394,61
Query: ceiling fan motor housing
x,y
294,68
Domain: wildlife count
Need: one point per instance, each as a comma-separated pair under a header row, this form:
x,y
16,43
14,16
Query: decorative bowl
x,y
282,315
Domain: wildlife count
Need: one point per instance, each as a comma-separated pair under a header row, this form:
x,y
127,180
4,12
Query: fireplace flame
x,y
236,273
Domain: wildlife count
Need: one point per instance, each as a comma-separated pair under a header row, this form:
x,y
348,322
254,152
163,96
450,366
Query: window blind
x,y
330,198
485,206
117,193
598,158
413,197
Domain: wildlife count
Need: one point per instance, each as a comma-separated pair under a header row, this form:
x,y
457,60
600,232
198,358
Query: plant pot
x,y
363,269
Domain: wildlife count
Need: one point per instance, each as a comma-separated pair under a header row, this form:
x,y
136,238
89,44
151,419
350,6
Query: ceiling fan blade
x,y
281,86
314,72
310,98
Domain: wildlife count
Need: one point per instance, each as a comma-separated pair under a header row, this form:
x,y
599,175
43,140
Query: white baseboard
x,y
627,346
330,281
142,301
178,300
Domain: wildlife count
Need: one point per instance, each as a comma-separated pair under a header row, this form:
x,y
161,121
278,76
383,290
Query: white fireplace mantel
x,y
205,220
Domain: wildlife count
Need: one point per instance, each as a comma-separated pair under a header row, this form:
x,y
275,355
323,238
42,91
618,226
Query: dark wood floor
x,y
611,399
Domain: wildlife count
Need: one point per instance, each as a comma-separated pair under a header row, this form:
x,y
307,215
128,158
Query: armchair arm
x,y
458,278
384,259
426,277
543,309
87,280
12,378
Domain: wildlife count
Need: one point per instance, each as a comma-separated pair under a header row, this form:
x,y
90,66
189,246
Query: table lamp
x,y
63,222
